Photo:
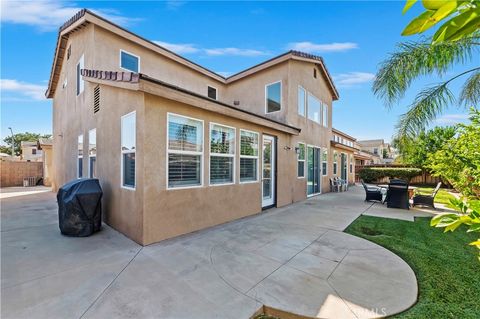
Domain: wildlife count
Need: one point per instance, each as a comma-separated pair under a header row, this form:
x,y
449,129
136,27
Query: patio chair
x,y
334,185
426,200
397,196
372,192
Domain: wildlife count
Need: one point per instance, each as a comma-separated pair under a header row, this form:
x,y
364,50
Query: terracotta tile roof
x,y
111,75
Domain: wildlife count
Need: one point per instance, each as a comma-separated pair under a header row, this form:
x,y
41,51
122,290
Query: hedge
x,y
371,174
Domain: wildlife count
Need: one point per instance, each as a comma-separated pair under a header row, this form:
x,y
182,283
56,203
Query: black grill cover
x,y
79,207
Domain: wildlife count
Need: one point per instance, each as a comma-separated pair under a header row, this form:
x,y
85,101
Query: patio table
x,y
411,189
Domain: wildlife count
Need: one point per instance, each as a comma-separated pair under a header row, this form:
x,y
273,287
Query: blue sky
x,y
353,37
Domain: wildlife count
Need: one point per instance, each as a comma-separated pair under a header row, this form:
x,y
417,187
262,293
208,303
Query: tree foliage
x,y
18,138
458,161
460,19
414,150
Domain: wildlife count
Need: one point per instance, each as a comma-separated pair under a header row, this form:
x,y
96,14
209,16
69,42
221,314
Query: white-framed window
x,y
80,82
80,156
212,92
128,149
273,97
222,154
335,165
325,114
248,156
351,164
302,101
301,160
129,61
375,151
314,108
184,151
92,153
324,162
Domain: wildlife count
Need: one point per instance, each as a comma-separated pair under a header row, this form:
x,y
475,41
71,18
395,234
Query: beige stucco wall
x,y
173,212
47,159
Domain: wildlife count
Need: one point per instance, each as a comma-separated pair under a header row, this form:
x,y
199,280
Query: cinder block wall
x,y
13,172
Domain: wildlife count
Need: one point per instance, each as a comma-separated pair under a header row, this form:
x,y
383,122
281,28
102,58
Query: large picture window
x,y
92,153
185,151
273,97
222,154
248,156
129,61
80,156
301,160
314,107
128,149
301,101
324,162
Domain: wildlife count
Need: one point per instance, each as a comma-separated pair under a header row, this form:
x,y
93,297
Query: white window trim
x,y
122,152
90,156
325,150
185,153
324,114
304,101
80,156
78,77
221,154
319,115
249,156
120,60
335,165
281,97
216,92
304,160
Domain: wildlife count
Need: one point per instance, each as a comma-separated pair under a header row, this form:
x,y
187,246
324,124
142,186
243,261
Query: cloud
x,y
353,78
186,48
174,4
32,91
451,119
49,15
326,47
180,48
234,51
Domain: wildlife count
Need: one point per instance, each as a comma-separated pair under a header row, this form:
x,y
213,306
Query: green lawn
x,y
447,269
443,196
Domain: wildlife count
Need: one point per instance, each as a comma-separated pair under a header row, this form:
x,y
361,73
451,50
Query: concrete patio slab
x,y
295,258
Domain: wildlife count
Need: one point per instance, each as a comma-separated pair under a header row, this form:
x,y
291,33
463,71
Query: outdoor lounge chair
x,y
372,192
397,196
426,200
335,186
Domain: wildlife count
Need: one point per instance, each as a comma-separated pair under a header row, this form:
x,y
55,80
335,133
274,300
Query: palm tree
x,y
415,59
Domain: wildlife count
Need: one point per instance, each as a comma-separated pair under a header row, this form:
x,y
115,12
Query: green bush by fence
x,y
371,174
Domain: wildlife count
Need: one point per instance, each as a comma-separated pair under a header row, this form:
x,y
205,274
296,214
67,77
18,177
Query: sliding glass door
x,y
313,178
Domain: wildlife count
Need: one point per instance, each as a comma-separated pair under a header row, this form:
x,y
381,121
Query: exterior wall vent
x,y
96,99
315,73
236,102
69,52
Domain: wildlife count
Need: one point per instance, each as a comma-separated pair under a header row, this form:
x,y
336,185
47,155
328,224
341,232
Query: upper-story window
x,y
273,97
212,92
314,107
129,61
325,115
301,101
80,83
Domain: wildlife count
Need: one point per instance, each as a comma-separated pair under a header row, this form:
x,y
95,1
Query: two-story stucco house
x,y
177,147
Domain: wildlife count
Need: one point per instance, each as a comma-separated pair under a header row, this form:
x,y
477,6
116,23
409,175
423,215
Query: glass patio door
x,y
313,170
268,171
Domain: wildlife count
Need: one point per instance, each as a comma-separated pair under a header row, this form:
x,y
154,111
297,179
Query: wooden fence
x,y
424,178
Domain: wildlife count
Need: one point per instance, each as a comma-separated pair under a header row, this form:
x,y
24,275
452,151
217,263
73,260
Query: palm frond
x,y
428,104
470,95
414,59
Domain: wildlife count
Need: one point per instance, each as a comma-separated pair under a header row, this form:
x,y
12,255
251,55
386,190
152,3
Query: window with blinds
x,y
301,160
248,156
128,149
185,151
222,154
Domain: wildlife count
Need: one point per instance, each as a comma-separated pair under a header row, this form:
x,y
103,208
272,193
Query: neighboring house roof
x,y
85,17
44,142
136,78
371,142
343,146
28,143
334,130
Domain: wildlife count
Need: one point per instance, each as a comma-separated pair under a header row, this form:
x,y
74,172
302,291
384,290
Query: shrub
x,y
371,174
